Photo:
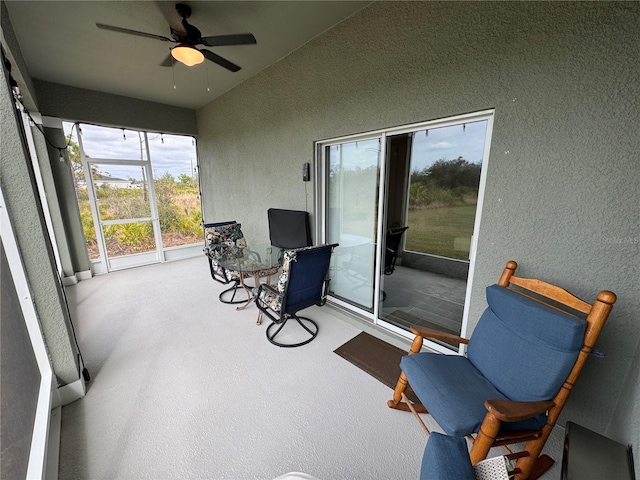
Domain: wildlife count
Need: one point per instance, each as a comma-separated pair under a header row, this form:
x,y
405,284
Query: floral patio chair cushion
x,y
223,272
224,240
269,296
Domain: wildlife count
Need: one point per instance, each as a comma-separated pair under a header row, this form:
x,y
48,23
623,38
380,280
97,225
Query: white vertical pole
x,y
155,218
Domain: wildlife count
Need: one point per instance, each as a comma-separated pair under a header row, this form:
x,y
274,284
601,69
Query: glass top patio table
x,y
254,261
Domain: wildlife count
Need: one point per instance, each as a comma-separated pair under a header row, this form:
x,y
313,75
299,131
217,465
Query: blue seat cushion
x,y
446,458
523,347
454,392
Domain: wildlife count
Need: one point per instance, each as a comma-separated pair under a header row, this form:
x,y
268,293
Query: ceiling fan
x,y
187,37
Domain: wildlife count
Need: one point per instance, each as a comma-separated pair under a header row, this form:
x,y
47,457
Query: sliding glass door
x,y
404,205
352,181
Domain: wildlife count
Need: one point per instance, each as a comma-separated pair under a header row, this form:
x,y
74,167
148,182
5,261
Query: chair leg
x,y
401,386
534,465
396,402
312,330
541,465
484,440
234,288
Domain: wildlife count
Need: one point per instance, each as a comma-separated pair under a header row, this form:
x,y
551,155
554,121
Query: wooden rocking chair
x,y
522,361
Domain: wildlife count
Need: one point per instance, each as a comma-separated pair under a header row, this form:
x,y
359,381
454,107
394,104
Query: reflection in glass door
x,y
352,205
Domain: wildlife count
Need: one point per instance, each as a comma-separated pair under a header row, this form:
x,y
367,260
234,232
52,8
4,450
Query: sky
x,y
428,147
175,154
448,143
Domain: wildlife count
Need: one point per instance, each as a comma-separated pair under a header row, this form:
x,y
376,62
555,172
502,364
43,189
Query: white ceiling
x,y
61,43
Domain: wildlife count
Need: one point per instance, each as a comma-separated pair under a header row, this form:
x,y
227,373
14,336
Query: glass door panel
x,y
428,284
352,206
446,163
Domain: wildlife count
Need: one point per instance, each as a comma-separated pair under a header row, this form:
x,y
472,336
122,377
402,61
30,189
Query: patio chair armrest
x,y
512,411
437,334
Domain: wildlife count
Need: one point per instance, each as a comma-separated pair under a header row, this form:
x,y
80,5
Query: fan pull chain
x,y
206,68
173,73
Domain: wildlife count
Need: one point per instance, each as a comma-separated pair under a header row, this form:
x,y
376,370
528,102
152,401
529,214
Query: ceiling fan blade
x,y
133,32
223,62
167,62
168,10
224,40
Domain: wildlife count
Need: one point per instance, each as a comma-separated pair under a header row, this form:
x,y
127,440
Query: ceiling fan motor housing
x,y
183,10
191,35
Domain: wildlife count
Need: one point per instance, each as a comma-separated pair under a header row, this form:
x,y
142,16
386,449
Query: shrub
x,y
135,234
178,210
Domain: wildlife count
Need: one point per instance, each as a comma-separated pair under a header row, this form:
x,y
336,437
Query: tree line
x,y
445,182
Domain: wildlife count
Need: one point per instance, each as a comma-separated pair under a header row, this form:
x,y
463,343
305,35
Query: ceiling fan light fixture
x,y
187,55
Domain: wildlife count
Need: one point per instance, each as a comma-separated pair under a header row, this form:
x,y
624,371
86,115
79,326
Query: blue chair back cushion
x,y
307,274
524,348
446,458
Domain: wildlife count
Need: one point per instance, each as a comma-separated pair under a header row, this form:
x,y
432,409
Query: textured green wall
x,y
82,105
562,190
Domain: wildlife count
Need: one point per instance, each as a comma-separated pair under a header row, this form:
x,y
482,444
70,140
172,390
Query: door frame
x,y
321,166
42,414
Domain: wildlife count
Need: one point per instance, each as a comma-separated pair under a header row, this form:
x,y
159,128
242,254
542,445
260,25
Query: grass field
x,y
439,231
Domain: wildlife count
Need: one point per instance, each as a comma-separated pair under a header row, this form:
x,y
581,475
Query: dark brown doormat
x,y
376,357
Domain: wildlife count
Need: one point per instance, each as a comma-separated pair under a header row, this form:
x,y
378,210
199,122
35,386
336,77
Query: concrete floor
x,y
184,386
